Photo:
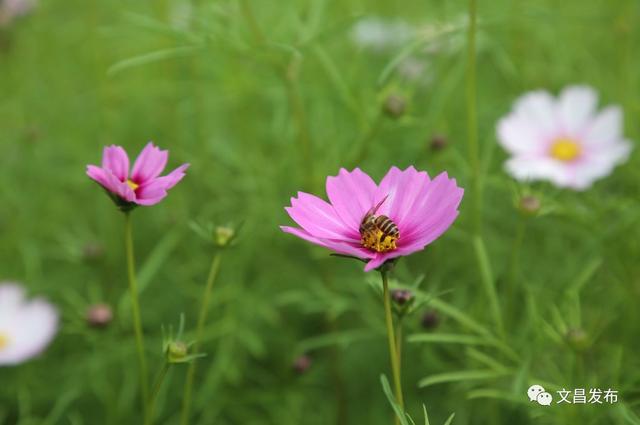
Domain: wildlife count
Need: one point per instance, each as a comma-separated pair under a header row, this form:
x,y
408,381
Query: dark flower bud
x,y
394,106
529,205
438,142
92,251
302,364
430,320
577,339
401,296
99,315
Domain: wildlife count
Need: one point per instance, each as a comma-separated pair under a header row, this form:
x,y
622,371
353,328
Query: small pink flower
x,y
142,186
26,327
403,214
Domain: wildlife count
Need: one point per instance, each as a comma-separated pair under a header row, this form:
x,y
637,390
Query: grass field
x,y
265,99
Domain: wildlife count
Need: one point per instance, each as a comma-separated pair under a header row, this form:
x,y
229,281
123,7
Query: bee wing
x,y
374,209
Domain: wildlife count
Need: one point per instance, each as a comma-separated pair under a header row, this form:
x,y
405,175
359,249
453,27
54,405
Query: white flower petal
x,y
28,326
605,128
575,108
539,109
11,297
526,168
518,137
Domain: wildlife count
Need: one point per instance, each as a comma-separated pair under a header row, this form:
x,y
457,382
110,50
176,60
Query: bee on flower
x,y
563,140
404,213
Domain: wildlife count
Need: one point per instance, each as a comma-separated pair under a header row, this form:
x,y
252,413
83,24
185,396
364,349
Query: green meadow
x,y
268,98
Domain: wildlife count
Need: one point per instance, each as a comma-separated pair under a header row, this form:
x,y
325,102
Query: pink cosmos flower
x,y
142,186
565,140
26,327
403,214
12,9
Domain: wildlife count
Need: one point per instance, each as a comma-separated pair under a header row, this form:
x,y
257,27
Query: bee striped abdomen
x,y
379,233
387,226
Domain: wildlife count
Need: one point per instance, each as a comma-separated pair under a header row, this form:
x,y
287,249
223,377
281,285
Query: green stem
x,y
472,119
399,343
137,323
514,261
156,388
202,318
486,276
393,351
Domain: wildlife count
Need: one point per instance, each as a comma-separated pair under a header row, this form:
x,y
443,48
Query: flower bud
x,y
302,364
438,142
577,339
99,315
92,251
529,205
401,296
394,106
224,235
430,320
177,352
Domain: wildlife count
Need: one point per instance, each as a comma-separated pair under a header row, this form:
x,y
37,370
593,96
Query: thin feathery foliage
x,y
264,100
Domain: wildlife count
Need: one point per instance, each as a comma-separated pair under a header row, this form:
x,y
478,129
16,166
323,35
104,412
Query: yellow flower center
x,y
132,185
565,149
4,340
378,233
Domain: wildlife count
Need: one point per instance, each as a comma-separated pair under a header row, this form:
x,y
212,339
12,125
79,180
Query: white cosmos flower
x,y
564,140
380,34
26,326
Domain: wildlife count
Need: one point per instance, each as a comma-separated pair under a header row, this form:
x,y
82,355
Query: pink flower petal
x,y
100,176
375,262
110,182
340,247
115,159
402,189
149,163
155,190
433,213
351,194
119,188
319,218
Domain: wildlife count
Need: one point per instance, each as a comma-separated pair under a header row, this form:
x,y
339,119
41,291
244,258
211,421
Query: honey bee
x,y
378,233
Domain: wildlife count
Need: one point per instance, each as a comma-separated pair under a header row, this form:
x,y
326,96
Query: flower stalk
x,y
393,342
202,318
137,322
156,388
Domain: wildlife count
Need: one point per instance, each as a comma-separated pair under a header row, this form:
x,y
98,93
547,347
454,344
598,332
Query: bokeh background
x,y
268,98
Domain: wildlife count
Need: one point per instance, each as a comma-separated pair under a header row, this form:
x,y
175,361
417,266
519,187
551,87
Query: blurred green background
x,y
268,98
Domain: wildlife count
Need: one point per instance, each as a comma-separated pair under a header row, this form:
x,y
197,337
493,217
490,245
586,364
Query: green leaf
x,y
152,57
461,376
450,419
392,400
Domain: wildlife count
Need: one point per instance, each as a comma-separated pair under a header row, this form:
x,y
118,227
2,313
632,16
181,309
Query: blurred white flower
x,y
565,140
181,15
380,34
11,9
26,326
